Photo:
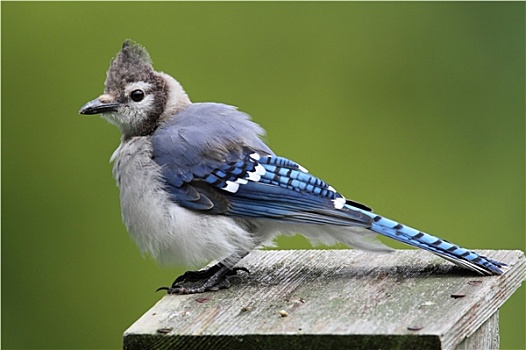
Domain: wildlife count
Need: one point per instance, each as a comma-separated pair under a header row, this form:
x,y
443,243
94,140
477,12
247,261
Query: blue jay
x,y
197,183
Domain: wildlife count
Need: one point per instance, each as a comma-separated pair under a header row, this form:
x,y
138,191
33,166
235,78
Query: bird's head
x,y
137,98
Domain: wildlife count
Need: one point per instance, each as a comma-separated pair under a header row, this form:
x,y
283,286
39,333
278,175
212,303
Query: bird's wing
x,y
213,161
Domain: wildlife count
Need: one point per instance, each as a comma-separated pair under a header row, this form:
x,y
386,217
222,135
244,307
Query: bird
x,y
198,184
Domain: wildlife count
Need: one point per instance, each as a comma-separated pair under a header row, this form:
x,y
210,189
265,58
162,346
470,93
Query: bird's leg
x,y
198,275
213,278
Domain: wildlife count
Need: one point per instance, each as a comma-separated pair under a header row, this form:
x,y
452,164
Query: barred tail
x,y
454,253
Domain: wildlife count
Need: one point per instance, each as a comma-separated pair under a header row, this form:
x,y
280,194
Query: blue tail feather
x,y
452,252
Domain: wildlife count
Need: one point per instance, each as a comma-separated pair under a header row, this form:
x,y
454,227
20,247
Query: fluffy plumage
x,y
197,183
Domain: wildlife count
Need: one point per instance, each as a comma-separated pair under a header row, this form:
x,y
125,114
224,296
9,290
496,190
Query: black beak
x,y
96,107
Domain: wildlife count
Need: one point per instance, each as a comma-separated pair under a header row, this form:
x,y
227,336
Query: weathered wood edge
x,y
286,341
486,337
492,297
466,325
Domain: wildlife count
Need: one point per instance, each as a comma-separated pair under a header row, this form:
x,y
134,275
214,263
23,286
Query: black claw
x,y
224,283
214,278
199,275
180,290
177,289
234,271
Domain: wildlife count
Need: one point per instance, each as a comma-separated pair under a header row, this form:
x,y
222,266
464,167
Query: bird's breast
x,y
160,227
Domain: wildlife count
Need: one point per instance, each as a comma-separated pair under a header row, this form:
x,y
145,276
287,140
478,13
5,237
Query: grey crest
x,y
131,64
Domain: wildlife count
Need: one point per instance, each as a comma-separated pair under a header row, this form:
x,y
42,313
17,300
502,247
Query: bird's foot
x,y
213,278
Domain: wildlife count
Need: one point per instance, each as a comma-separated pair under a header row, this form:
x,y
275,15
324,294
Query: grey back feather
x,y
202,137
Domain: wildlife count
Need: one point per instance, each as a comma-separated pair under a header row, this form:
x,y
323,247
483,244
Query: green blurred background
x,y
416,109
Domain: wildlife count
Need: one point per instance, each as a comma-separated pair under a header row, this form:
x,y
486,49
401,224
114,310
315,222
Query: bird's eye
x,y
137,95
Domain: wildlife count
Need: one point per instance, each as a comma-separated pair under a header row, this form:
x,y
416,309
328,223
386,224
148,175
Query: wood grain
x,y
337,299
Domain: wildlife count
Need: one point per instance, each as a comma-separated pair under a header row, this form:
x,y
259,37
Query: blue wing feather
x,y
289,195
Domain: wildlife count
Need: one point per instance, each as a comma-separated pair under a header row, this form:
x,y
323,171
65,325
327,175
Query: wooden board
x,y
338,299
